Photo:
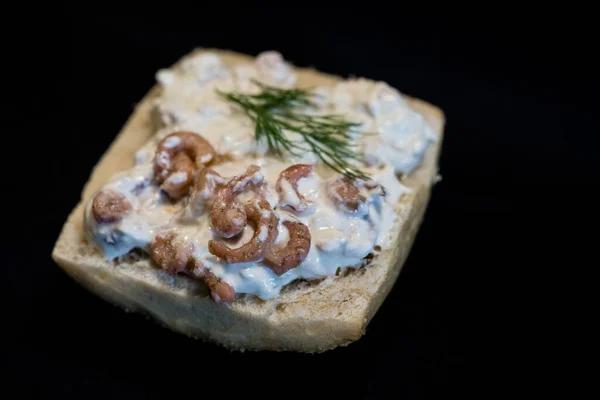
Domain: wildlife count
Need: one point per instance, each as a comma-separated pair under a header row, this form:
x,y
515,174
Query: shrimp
x,y
227,216
178,156
296,250
220,291
347,196
110,206
288,179
206,183
173,258
265,233
178,257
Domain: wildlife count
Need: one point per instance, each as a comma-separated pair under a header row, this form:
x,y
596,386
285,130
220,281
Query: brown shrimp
x,y
220,291
110,206
227,216
177,158
206,184
346,195
296,250
173,258
265,232
292,175
176,258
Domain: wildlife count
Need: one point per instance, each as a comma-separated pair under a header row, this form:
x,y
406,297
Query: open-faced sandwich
x,y
255,204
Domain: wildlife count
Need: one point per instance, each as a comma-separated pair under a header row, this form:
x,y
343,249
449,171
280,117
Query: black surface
x,y
509,87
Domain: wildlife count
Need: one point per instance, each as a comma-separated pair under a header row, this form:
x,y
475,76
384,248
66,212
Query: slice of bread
x,y
306,316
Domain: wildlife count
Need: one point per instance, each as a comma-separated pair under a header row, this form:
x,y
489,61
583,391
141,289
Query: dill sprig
x,y
275,110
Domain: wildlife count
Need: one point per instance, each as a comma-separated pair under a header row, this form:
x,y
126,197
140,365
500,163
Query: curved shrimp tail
x,y
178,156
287,186
265,233
294,253
220,291
228,218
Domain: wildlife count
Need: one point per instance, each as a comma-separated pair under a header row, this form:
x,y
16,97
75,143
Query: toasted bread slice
x,y
306,316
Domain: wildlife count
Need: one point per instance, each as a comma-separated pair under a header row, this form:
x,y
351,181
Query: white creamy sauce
x,y
142,156
338,239
177,177
289,195
151,212
402,133
171,142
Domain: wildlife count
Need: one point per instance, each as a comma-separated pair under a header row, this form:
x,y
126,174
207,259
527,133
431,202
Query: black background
x,y
518,92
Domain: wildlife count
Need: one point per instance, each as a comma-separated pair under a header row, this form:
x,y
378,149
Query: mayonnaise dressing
x,y
189,102
151,212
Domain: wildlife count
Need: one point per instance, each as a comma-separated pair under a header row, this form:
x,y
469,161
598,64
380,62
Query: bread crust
x,y
305,317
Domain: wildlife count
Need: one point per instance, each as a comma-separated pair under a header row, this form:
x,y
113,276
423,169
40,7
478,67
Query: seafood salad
x,y
208,198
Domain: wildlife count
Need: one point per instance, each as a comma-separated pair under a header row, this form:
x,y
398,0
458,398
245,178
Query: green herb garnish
x,y
276,110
